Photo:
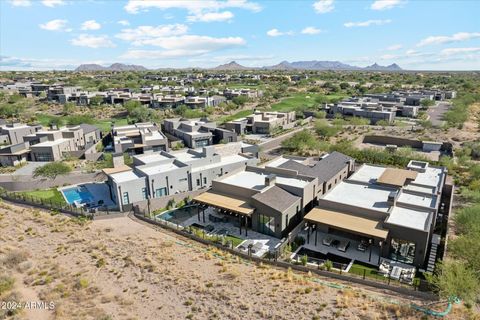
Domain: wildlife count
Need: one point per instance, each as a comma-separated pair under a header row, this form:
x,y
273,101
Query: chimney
x,y
208,151
270,180
118,160
392,198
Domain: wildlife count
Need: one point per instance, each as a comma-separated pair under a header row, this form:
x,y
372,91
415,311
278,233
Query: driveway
x,y
436,113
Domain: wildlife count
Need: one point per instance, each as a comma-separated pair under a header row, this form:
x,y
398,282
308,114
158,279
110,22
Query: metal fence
x,y
49,204
319,266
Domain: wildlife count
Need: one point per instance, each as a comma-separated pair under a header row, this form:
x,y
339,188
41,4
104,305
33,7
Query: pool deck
x,y
98,191
268,242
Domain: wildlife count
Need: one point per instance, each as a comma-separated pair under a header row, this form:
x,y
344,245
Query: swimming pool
x,y
179,215
78,194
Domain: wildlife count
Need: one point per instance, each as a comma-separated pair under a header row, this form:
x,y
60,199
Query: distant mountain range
x,y
233,65
113,67
311,65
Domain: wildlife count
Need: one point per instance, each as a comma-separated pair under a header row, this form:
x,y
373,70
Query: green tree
x,y
131,105
425,103
454,278
240,100
52,170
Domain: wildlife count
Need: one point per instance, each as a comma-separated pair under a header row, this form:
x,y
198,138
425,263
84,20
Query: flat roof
x,y
364,196
188,156
428,201
125,176
151,157
256,180
50,143
224,161
279,161
227,202
348,222
431,177
158,168
367,173
409,218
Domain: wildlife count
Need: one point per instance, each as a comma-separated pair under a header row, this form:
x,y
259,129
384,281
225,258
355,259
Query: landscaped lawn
x,y
238,115
299,101
48,195
103,124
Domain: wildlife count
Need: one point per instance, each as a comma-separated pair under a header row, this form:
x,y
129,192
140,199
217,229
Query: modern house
x,y
274,199
161,174
197,133
139,138
13,133
389,212
35,144
262,122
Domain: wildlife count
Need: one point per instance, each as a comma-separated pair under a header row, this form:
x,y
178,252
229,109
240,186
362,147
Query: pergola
x,y
227,204
346,222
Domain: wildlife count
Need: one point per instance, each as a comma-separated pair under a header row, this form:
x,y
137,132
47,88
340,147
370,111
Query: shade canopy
x,y
347,222
226,202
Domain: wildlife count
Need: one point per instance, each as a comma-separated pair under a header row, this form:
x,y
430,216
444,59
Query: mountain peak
x,y
232,65
114,67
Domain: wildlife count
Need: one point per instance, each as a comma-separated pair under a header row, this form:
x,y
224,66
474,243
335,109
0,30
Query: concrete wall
x,y
384,140
160,203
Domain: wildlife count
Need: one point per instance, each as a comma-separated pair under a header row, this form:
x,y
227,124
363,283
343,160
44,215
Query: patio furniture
x,y
245,244
327,241
362,247
343,245
257,247
396,272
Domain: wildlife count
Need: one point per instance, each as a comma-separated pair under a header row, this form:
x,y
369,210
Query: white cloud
x,y
276,33
367,23
138,35
199,11
55,25
91,25
194,42
123,22
161,54
90,41
311,30
53,3
457,37
21,3
454,51
394,47
211,16
386,4
323,6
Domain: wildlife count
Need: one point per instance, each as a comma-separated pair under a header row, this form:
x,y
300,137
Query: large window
x,y
160,192
144,193
202,143
43,156
266,224
125,198
402,250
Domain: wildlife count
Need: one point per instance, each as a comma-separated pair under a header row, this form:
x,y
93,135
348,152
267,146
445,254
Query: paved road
x,y
436,113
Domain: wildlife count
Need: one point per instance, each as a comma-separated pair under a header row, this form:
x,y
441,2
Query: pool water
x,y
77,194
179,215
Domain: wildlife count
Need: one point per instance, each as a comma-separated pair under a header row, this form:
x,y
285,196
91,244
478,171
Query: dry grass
x,y
126,270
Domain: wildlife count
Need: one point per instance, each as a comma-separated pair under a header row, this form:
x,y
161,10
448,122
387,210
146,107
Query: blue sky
x,y
61,34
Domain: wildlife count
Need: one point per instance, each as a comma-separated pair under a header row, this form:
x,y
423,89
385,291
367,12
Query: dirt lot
x,y
123,269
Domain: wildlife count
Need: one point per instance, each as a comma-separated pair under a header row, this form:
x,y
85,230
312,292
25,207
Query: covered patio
x,y
345,235
227,205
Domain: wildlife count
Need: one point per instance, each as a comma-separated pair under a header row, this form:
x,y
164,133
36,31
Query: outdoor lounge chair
x,y
327,241
343,246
